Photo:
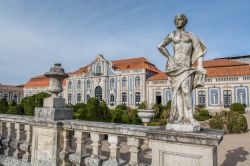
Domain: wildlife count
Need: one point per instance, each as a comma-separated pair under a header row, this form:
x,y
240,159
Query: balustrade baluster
x,y
26,146
6,141
1,135
134,150
94,159
81,152
64,154
17,141
114,147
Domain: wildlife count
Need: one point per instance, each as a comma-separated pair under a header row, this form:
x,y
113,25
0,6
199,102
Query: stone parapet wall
x,y
75,142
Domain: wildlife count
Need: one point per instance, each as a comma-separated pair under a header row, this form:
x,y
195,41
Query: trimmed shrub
x,y
202,115
217,122
133,117
3,105
121,107
237,107
232,122
236,123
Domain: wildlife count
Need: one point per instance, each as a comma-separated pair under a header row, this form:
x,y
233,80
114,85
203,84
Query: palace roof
x,y
125,64
215,68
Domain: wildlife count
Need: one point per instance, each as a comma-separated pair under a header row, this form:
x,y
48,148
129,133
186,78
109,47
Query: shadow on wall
x,y
234,156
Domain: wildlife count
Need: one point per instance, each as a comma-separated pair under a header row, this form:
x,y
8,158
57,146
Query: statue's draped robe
x,y
178,72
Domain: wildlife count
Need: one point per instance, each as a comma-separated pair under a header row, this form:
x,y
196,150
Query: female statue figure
x,y
188,49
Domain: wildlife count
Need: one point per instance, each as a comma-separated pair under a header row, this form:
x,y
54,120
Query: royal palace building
x,y
11,92
131,81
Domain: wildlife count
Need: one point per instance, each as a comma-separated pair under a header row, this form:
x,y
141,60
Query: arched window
x,y
124,82
88,84
137,81
112,83
79,84
98,69
70,85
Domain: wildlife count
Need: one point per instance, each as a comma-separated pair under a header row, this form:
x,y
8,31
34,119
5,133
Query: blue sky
x,y
36,34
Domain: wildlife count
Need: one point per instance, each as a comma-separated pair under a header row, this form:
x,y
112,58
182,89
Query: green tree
x,y
16,109
3,105
93,108
117,115
36,100
104,114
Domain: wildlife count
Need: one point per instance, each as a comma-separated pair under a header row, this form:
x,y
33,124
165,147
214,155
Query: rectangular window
x,y
124,98
241,95
202,98
69,98
87,97
88,84
79,97
112,83
214,94
137,98
112,100
227,96
15,98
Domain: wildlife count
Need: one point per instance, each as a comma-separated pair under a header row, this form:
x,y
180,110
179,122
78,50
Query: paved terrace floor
x,y
234,150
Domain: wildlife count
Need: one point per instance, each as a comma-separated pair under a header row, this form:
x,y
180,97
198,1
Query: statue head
x,y
180,21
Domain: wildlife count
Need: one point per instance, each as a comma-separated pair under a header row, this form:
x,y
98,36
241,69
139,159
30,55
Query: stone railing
x,y
16,138
28,141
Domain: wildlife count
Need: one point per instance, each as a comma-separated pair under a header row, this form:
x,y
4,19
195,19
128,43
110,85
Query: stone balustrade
x,y
96,143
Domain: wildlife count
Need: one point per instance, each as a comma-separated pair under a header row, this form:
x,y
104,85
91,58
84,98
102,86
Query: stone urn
x,y
146,115
56,76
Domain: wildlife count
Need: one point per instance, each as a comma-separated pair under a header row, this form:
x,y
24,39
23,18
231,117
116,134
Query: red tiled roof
x,y
228,71
11,86
81,70
159,76
124,64
39,81
223,63
134,63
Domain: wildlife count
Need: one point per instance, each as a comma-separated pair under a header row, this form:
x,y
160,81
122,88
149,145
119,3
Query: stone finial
x,y
56,76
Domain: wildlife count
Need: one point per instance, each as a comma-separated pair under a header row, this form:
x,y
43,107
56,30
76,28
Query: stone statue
x,y
183,76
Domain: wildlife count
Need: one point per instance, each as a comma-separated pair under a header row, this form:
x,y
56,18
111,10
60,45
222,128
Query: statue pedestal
x,y
184,127
185,148
47,131
53,109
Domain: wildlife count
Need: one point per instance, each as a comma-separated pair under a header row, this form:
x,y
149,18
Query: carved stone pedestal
x,y
185,148
53,109
184,127
45,146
